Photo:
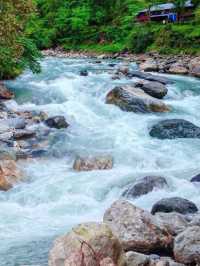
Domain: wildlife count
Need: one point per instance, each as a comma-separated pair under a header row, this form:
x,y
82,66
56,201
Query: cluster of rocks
x,y
183,65
23,135
130,236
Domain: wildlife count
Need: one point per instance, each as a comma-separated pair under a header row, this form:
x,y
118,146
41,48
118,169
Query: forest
x,y
108,26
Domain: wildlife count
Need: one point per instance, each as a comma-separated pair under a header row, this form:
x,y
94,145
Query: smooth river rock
x,y
194,67
133,99
174,204
187,246
93,163
149,65
196,178
150,77
145,185
89,244
57,122
174,128
136,229
9,174
178,69
154,89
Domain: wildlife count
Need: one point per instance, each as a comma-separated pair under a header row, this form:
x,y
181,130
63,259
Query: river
x,y
54,197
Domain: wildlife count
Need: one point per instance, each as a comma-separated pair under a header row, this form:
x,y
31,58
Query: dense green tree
x,y
16,49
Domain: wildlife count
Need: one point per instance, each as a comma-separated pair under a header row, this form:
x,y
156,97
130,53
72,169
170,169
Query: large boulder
x,y
173,221
175,128
88,244
196,178
178,68
137,229
154,89
150,77
9,174
149,65
93,163
174,204
145,185
133,99
23,134
194,67
57,122
5,94
187,246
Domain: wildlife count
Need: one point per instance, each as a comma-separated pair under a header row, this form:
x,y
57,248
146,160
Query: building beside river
x,y
166,13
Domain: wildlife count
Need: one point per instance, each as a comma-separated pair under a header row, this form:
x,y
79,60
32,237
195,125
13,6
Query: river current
x,y
54,197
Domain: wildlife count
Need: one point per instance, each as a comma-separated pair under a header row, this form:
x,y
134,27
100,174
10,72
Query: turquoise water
x,y
53,197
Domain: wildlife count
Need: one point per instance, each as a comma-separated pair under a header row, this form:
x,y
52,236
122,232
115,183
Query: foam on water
x,y
53,197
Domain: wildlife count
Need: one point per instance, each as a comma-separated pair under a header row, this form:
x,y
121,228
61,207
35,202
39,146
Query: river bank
x,y
91,96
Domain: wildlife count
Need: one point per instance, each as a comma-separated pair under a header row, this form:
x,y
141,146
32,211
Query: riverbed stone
x,y
84,73
149,65
155,89
173,221
194,67
174,204
196,178
17,122
133,99
178,68
175,128
23,134
145,185
94,241
93,163
136,229
187,246
9,174
5,93
150,77
57,122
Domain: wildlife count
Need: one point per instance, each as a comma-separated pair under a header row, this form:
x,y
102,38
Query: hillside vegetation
x,y
98,25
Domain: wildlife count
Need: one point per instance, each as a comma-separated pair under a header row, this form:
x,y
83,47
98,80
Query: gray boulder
x,y
136,229
23,134
56,122
187,246
133,99
150,77
174,128
196,178
175,204
145,185
155,89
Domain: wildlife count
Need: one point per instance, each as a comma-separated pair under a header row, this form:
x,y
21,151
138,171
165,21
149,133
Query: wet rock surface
x,y
93,163
174,204
145,185
154,89
57,122
175,128
133,99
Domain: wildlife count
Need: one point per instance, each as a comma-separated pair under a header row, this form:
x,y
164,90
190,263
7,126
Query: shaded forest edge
x,y
108,26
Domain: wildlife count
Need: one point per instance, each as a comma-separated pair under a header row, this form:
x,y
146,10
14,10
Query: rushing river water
x,y
54,197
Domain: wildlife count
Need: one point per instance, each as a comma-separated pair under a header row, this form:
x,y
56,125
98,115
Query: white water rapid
x,y
53,197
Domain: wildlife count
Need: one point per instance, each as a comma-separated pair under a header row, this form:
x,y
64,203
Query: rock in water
x,y
90,244
178,69
145,185
23,134
57,122
175,128
155,89
175,204
5,94
149,65
196,178
187,246
194,67
93,163
133,99
137,229
9,174
84,73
